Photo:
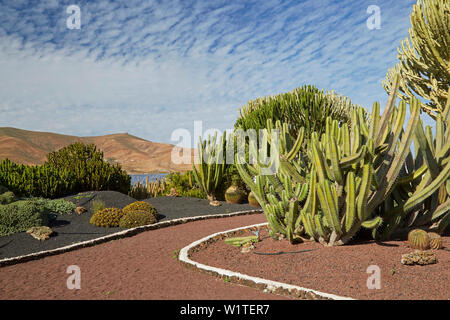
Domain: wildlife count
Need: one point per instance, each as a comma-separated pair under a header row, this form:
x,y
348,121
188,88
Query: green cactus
x,y
421,194
210,170
418,239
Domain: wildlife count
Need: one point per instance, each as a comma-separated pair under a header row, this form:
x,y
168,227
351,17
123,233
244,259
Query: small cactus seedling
x,y
418,239
435,241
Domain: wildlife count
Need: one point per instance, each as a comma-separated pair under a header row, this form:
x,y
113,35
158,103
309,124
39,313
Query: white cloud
x,y
148,68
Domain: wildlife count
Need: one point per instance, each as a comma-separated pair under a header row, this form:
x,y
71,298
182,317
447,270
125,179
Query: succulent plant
x,y
418,239
137,218
435,241
210,168
107,218
140,206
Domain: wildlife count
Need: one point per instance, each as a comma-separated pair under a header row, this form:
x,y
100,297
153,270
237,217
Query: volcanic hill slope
x,y
134,154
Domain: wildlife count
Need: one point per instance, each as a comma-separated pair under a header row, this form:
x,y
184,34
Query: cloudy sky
x,y
150,67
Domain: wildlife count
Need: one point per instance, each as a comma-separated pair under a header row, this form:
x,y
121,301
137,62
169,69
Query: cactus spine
x,y
418,239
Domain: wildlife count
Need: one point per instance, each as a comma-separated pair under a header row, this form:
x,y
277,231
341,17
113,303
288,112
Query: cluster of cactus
x,y
422,193
422,240
149,189
107,218
140,206
349,177
73,169
135,214
305,106
424,64
211,165
137,218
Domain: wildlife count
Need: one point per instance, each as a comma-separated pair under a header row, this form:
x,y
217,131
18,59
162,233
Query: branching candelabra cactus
x,y
349,176
422,193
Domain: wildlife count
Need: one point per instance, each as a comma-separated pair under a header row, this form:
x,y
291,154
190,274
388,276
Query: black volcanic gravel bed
x,y
74,228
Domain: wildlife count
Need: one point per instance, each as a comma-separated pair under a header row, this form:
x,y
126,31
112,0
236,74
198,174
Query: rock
x,y
215,203
248,247
40,233
173,193
80,210
419,257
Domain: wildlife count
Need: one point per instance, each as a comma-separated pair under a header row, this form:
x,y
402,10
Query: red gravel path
x,y
141,267
337,270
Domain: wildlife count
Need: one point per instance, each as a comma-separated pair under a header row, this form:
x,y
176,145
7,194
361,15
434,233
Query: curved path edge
x,y
118,235
243,279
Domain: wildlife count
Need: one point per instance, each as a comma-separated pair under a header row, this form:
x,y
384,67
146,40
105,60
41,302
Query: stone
x,y
248,247
173,193
80,210
215,203
419,257
40,233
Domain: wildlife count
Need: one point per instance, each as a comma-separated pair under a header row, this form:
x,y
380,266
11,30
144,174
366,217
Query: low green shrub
x,y
3,189
58,206
107,218
19,216
7,197
137,218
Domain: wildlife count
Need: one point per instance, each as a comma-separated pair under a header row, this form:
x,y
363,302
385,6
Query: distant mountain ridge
x,y
134,154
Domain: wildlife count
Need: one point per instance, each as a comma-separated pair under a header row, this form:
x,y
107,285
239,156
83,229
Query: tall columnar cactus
x,y
425,61
278,194
422,193
211,164
349,176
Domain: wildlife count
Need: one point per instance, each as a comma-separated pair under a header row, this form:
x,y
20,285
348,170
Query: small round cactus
x,y
435,241
419,239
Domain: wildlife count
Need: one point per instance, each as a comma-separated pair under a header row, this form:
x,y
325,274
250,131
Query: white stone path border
x,y
119,235
268,285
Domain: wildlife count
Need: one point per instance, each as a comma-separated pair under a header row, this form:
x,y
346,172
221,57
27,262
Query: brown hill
x,y
134,154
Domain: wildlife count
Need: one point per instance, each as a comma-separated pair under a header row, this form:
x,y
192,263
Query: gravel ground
x,y
337,270
139,267
73,228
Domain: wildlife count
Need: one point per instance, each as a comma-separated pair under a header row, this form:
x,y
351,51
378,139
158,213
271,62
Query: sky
x,y
151,67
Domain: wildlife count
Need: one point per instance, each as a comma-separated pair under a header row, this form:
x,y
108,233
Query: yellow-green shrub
x,y
138,206
109,217
137,218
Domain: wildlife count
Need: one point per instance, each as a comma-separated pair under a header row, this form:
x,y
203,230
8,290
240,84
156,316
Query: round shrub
x,y
140,205
19,216
7,197
137,218
107,218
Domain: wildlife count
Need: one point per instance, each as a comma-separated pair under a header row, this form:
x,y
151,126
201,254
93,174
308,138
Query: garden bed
x,y
74,228
340,270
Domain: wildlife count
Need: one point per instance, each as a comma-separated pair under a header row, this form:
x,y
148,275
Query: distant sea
x,y
143,177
